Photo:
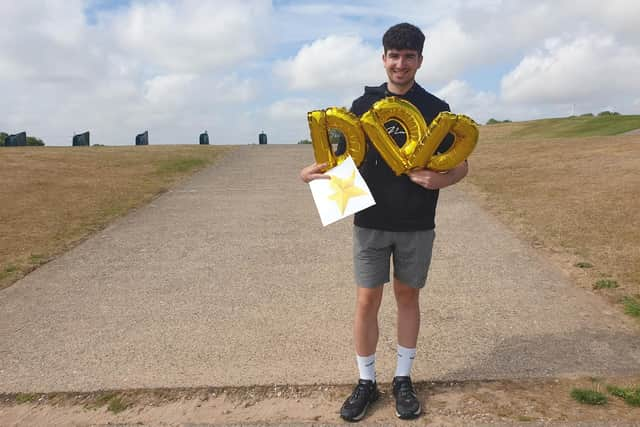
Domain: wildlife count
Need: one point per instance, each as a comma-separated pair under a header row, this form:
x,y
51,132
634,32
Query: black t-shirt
x,y
400,205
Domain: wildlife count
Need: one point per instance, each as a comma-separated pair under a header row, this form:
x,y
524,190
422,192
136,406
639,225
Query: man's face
x,y
401,65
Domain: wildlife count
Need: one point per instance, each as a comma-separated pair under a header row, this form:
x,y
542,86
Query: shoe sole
x,y
410,416
361,414
357,417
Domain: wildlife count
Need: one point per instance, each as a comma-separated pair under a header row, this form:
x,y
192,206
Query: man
x,y
401,224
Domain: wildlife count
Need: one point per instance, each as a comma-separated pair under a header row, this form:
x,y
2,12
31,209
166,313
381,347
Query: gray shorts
x,y
372,250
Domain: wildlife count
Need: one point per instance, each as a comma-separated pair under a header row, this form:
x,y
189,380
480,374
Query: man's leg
x,y
408,302
365,331
371,263
366,320
411,258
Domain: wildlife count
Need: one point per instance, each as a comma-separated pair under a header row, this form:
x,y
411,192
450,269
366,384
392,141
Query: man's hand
x,y
313,171
433,180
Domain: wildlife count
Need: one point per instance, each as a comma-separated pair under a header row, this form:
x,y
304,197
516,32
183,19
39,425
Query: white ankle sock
x,y
405,361
367,367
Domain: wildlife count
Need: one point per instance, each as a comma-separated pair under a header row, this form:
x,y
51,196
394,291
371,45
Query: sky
x,y
176,68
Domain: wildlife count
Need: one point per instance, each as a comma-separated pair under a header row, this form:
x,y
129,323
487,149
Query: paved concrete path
x,y
230,280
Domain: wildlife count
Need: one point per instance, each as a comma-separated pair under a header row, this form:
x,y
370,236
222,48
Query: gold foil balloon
x,y
437,132
386,146
399,159
466,134
417,151
407,115
349,125
319,139
340,119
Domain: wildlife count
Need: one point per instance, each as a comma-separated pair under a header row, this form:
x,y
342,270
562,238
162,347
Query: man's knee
x,y
406,296
368,300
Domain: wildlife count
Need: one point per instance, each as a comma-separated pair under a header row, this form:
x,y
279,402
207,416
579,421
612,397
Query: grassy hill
x,y
53,197
567,127
569,186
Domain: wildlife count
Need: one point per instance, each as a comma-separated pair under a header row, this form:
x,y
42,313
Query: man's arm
x,y
433,180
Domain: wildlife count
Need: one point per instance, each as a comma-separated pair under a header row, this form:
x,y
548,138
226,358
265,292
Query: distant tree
x,y
506,121
586,115
304,141
492,121
33,141
605,113
3,136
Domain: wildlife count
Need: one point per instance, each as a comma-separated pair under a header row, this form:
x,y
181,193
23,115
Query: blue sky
x,y
176,68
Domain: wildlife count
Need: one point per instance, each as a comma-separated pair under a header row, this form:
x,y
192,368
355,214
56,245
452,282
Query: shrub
x,y
304,141
33,141
588,397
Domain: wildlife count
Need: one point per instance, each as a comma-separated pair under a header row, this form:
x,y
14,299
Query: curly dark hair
x,y
403,36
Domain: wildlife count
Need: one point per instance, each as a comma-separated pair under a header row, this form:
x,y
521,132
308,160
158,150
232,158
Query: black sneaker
x,y
355,407
407,403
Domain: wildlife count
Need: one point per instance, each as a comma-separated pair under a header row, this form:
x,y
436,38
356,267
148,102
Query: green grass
x,y
631,306
588,397
104,399
629,395
170,167
8,271
37,259
579,126
605,284
25,397
583,265
114,402
116,405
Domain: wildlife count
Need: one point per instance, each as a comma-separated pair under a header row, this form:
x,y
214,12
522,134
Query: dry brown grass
x,y
579,198
53,197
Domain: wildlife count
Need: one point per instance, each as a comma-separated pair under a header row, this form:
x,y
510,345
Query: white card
x,y
345,194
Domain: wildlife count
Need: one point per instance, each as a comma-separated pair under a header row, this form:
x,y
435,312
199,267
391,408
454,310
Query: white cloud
x,y
233,90
463,99
163,89
290,109
45,41
332,63
448,51
574,71
192,36
177,67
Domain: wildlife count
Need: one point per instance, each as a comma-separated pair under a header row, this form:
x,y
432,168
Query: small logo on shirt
x,y
396,131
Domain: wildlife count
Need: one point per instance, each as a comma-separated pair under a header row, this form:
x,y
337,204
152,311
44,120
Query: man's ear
x,y
420,58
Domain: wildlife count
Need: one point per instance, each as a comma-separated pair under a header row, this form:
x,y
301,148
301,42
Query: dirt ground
x,y
446,404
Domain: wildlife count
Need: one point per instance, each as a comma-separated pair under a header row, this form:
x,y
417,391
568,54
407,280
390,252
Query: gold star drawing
x,y
344,190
